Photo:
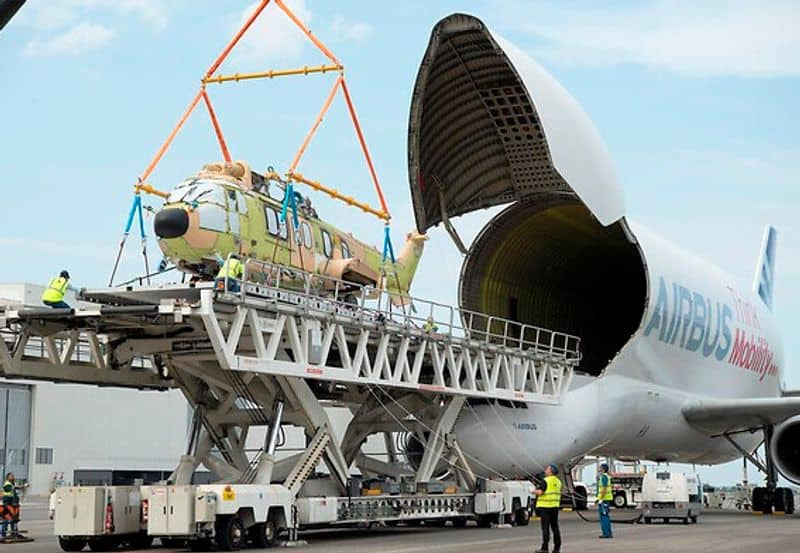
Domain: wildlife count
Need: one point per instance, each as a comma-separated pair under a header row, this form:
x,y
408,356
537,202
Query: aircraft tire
x,y
760,501
783,500
648,520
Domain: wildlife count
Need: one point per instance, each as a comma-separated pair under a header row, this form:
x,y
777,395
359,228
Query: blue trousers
x,y
57,304
605,518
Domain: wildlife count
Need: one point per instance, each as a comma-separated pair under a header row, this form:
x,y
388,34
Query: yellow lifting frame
x,y
148,189
333,193
305,70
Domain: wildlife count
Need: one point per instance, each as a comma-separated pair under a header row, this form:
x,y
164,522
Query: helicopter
x,y
227,208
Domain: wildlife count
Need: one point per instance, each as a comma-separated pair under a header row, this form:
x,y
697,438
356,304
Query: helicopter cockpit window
x,y
346,250
241,202
327,243
180,191
198,191
231,199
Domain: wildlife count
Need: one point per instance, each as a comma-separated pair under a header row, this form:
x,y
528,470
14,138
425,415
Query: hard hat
x,y
64,274
554,468
604,466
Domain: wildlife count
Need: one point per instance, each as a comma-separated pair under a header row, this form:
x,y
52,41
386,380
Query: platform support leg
x,y
437,441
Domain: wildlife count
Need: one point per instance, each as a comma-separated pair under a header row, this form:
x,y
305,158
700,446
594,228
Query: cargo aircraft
x,y
680,363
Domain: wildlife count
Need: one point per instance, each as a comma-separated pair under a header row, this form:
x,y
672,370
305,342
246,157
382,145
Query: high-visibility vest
x,y
604,495
552,493
8,489
232,268
55,290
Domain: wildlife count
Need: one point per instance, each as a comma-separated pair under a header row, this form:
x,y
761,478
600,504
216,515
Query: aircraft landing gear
x,y
770,498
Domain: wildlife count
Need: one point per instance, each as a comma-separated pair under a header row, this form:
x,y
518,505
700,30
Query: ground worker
x,y
10,507
53,295
604,499
548,503
233,269
429,325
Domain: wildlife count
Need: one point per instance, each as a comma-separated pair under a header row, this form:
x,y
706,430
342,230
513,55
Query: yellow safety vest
x,y
608,494
232,268
8,489
55,290
552,494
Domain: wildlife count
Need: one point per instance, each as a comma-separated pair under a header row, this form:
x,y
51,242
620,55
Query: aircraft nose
x,y
171,223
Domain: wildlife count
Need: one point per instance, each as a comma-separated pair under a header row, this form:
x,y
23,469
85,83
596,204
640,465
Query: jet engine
x,y
785,448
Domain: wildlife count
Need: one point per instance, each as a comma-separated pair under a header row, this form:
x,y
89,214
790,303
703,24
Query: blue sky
x,y
697,104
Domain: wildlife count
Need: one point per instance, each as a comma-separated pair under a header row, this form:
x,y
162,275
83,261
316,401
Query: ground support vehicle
x,y
102,517
669,495
271,357
627,489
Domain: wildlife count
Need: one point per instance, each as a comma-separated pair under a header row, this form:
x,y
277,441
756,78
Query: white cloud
x,y
56,15
358,31
711,38
149,12
273,36
81,38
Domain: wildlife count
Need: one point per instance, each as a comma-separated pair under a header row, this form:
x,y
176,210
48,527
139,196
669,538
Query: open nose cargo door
x,y
488,126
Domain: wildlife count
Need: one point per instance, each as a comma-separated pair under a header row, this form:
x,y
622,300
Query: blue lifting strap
x,y
289,200
138,202
136,207
387,245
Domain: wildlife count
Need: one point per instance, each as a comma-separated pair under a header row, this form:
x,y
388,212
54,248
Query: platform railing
x,y
336,296
36,348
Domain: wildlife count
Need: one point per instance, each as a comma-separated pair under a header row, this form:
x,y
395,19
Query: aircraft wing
x,y
716,416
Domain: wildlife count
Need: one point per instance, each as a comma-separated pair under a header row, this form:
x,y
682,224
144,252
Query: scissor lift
x,y
281,348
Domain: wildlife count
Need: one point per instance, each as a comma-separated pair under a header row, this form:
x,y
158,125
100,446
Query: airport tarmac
x,y
716,532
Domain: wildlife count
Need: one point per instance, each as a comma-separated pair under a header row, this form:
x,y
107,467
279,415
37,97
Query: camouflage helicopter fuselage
x,y
227,208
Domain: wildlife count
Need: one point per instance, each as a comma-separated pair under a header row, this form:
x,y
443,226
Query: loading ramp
x,y
279,350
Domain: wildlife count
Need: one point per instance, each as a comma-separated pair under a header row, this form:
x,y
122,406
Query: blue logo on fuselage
x,y
690,320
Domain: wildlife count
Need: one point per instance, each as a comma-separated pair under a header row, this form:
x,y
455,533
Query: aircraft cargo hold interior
x,y
558,267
